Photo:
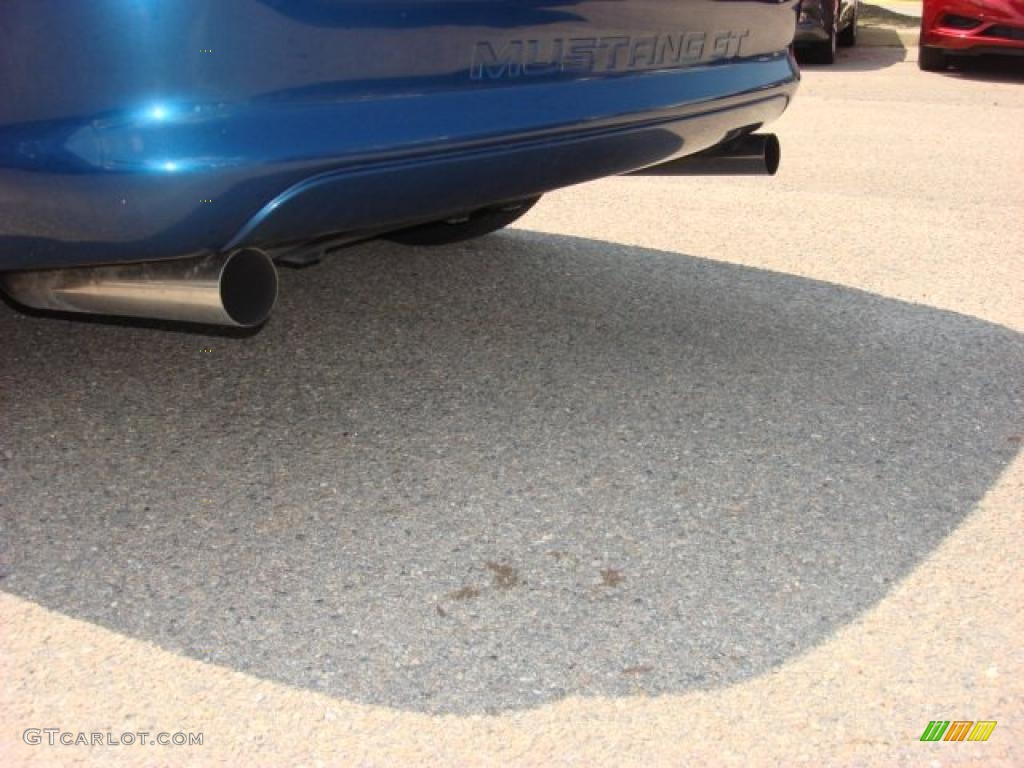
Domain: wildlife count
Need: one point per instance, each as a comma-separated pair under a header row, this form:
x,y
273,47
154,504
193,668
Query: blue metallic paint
x,y
149,129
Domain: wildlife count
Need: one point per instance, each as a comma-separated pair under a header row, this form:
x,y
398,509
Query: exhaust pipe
x,y
755,154
237,289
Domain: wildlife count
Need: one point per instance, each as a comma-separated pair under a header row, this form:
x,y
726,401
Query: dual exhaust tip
x,y
239,289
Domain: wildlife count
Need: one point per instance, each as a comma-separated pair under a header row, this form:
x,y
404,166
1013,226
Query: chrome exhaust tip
x,y
237,289
756,154
248,288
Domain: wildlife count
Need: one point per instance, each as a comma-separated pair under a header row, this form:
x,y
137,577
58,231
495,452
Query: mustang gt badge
x,y
587,55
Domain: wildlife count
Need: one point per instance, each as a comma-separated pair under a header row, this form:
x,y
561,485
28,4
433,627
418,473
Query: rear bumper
x,y
379,196
131,171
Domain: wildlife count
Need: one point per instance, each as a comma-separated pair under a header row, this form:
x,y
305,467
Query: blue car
x,y
159,157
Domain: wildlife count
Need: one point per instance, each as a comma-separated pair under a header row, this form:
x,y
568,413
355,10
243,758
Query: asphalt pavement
x,y
671,461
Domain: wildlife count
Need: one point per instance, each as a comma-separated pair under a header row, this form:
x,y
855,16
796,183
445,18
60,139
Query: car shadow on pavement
x,y
990,68
885,52
493,475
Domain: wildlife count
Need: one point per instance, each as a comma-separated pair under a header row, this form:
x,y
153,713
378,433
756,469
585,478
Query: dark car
x,y
823,25
158,157
951,28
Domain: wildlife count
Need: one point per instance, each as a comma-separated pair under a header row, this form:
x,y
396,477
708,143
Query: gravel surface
x,y
548,474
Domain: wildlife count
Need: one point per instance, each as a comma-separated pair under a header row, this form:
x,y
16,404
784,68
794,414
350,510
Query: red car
x,y
959,27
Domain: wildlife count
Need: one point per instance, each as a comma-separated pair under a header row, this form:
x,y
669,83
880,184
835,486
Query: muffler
x,y
755,154
237,289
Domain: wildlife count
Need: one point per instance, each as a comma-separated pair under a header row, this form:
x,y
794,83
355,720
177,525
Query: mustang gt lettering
x,y
582,55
